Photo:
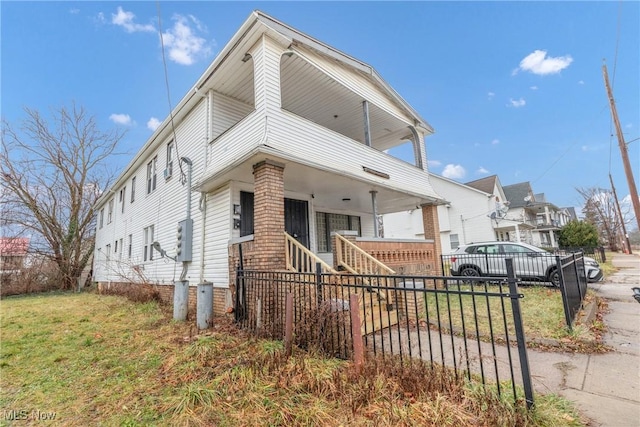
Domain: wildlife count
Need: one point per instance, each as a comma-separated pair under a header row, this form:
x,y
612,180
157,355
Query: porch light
x,y
247,56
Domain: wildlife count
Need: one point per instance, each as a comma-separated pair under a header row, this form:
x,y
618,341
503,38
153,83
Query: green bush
x,y
579,234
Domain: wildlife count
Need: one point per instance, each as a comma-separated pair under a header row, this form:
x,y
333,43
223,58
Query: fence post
x,y
522,344
356,333
288,325
579,274
563,290
318,283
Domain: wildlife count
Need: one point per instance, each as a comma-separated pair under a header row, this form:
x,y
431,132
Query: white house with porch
x,y
484,210
468,214
280,143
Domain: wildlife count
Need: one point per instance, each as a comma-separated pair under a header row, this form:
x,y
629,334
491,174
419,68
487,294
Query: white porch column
x,y
367,126
517,233
374,205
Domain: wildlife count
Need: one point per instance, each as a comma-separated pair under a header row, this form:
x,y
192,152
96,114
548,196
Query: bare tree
x,y
600,209
53,171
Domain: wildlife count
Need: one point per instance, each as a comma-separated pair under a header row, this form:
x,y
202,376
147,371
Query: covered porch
x,y
274,195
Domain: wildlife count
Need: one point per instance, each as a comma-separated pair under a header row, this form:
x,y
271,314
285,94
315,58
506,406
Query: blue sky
x,y
511,88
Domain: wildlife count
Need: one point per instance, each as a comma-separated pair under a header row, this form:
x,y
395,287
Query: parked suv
x,y
529,262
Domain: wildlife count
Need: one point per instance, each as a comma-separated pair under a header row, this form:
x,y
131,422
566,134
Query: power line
x,y
166,81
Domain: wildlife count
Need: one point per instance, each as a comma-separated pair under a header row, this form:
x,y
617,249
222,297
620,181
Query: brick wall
x,y
268,215
403,257
432,232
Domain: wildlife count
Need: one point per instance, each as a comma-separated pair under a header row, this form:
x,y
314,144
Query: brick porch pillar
x,y
432,231
268,215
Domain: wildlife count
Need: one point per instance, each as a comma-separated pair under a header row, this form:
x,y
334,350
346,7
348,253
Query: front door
x,y
296,217
296,220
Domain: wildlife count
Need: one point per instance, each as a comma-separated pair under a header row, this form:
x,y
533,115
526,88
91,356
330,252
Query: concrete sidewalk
x,y
605,387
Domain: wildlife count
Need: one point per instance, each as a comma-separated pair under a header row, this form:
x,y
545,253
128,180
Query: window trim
x,y
110,211
152,175
168,172
148,233
133,189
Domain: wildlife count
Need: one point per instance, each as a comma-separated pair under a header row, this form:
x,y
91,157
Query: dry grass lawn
x,y
102,360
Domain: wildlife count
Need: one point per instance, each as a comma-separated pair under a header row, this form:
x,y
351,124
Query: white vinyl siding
x,y
218,234
227,112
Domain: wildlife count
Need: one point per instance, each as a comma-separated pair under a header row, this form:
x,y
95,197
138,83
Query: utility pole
x,y
623,149
625,236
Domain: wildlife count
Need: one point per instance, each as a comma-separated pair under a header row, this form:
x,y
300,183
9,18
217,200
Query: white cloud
x,y
482,171
490,95
183,43
434,163
533,87
539,63
629,125
495,142
125,20
153,123
581,82
74,11
517,103
121,119
454,171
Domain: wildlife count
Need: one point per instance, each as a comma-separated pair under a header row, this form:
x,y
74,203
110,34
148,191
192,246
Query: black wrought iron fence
x,y
595,252
565,271
573,286
469,326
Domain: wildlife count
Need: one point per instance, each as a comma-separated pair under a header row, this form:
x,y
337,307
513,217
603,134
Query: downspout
x,y
190,164
464,234
203,209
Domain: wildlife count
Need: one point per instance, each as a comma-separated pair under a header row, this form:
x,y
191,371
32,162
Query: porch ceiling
x,y
328,190
310,93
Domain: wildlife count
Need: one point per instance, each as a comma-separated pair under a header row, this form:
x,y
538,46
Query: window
x,y
110,212
101,217
133,189
454,241
121,250
246,209
169,170
130,248
115,250
148,243
151,175
329,222
108,252
123,193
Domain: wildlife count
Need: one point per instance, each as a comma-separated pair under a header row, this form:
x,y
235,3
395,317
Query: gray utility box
x,y
184,240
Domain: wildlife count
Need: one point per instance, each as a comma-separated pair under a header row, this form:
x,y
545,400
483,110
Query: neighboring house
x,y
484,210
465,217
13,253
282,133
538,221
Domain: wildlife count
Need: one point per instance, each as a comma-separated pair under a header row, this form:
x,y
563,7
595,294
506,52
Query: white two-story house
x,y
280,143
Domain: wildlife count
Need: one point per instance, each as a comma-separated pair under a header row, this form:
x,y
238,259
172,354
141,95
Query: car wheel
x,y
554,277
469,272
